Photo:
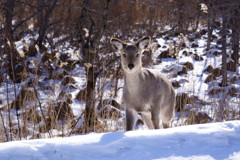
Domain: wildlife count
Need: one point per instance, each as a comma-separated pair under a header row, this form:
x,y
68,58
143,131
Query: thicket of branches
x,y
89,24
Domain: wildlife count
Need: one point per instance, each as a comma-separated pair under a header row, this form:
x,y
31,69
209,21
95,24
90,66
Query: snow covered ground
x,y
213,141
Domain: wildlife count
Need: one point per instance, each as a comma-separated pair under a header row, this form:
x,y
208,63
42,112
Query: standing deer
x,y
145,90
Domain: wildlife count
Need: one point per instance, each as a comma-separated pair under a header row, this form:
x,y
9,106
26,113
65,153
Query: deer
x,y
146,92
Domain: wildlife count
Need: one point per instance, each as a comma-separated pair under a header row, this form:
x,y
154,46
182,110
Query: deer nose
x,y
130,66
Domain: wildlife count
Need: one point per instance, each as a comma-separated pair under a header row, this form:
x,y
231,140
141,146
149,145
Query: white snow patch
x,y
212,141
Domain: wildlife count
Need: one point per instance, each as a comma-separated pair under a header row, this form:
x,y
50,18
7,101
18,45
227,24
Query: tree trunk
x,y
9,9
12,57
89,116
223,103
235,37
40,4
210,26
89,46
43,24
235,48
224,50
180,7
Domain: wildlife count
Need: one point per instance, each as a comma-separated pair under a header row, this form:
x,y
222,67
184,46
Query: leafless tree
x,y
45,8
91,25
235,25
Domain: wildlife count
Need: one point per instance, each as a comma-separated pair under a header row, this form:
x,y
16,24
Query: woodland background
x,y
37,72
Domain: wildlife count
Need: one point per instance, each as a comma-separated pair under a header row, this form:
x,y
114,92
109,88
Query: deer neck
x,y
133,79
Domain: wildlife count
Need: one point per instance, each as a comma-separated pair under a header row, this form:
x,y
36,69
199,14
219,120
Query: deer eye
x,y
137,55
124,55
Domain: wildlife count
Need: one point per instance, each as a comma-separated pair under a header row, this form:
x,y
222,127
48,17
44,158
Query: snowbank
x,y
204,142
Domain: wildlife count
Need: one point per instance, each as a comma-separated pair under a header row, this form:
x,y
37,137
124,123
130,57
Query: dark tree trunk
x,y
89,46
210,25
88,58
40,4
12,56
44,19
180,5
235,36
224,50
9,9
235,48
90,101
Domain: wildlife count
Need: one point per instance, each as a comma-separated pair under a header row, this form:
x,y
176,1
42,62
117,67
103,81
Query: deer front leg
x,y
147,119
130,119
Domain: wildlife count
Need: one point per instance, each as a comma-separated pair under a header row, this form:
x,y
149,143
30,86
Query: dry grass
x,y
38,120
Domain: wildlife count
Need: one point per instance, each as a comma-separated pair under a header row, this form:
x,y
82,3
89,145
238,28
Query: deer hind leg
x,y
165,125
166,116
155,117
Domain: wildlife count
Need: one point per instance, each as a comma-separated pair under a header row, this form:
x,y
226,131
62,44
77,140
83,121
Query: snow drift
x,y
214,141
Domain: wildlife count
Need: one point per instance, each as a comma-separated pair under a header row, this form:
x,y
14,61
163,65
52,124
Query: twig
x,y
174,27
4,127
23,21
9,113
14,86
76,123
107,65
40,106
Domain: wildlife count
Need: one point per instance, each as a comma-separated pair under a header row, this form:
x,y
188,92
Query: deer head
x,y
131,53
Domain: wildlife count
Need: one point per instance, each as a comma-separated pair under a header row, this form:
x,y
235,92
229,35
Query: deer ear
x,y
117,43
143,42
